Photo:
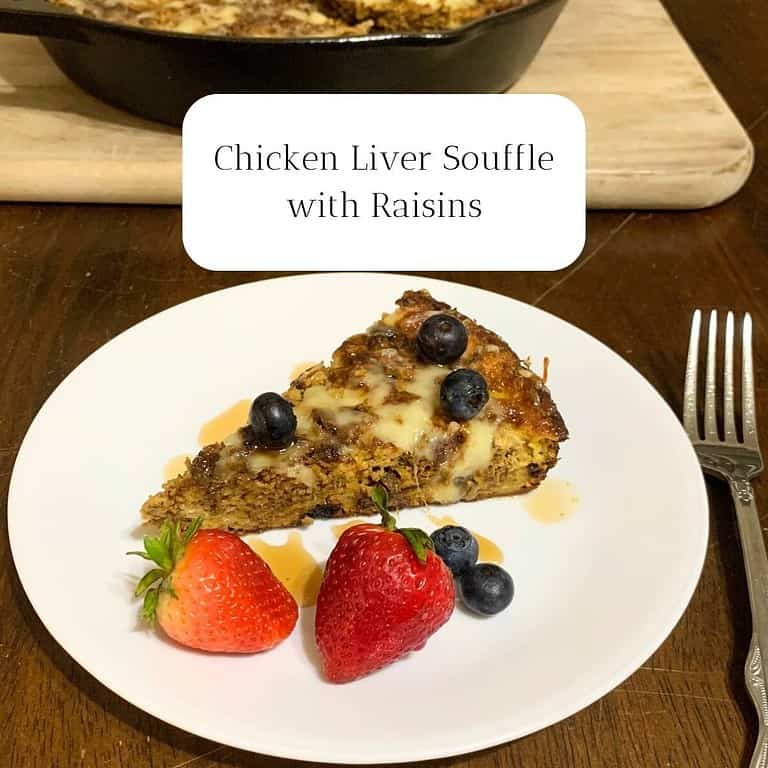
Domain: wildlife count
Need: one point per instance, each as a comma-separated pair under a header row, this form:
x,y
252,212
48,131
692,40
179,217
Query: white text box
x,y
384,182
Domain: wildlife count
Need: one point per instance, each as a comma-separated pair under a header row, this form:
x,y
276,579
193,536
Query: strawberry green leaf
x,y
175,547
165,551
150,606
147,580
158,552
166,535
140,554
419,542
379,497
192,529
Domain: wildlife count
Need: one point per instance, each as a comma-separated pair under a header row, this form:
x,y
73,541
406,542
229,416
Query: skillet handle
x,y
41,19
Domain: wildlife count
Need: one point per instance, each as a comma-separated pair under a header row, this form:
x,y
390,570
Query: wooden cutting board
x,y
659,134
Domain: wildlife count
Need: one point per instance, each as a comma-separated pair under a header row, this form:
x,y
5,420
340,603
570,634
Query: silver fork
x,y
737,462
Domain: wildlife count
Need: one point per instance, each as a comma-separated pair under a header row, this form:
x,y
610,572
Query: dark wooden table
x,y
72,277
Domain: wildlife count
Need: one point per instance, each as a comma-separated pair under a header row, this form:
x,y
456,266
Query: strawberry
x,y
211,591
384,593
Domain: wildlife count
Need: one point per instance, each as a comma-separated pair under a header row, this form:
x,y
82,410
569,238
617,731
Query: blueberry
x,y
463,393
456,546
486,588
442,339
272,421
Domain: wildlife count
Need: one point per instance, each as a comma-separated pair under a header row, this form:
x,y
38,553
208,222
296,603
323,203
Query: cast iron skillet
x,y
158,75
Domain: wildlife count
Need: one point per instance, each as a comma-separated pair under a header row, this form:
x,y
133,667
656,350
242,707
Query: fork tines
x,y
690,410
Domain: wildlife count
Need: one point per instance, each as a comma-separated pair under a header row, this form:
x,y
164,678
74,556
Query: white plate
x,y
595,594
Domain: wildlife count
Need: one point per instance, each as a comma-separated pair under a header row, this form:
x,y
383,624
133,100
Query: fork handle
x,y
756,566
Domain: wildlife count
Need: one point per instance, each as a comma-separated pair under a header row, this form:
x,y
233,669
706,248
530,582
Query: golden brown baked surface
x,y
373,416
290,18
417,15
232,18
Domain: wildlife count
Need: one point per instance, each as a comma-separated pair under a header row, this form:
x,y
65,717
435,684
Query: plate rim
x,y
388,757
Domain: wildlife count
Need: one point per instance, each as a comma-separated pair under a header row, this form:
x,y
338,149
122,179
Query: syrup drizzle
x,y
552,502
292,565
175,466
224,424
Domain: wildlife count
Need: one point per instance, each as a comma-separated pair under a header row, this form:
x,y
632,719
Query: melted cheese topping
x,y
475,456
407,425
302,473
402,413
259,460
478,448
445,493
322,398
